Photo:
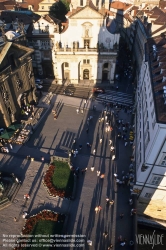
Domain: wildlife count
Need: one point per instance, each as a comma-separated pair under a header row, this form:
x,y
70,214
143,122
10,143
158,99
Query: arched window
x,y
66,65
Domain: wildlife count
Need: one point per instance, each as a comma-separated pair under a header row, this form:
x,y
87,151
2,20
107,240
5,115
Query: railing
x,y
85,50
5,72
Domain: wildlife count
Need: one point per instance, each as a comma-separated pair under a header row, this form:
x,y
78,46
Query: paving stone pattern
x,y
53,137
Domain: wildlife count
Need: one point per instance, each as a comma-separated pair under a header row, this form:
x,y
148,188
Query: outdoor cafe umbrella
x,y
7,134
14,127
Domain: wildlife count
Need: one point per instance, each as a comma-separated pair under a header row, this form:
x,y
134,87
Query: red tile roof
x,y
119,5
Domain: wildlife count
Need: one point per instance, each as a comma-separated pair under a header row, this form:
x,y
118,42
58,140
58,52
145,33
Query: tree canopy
x,y
59,9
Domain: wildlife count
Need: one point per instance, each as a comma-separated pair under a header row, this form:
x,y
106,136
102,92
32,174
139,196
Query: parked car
x,y
68,92
38,81
39,86
98,90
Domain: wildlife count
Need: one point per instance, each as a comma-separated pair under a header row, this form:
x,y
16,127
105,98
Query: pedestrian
x,y
98,173
84,101
101,140
80,147
91,117
120,238
110,142
130,202
96,209
105,234
77,110
42,158
11,146
107,201
15,219
121,215
102,176
122,244
94,151
112,202
112,148
133,211
113,157
87,130
88,145
111,246
89,242
76,151
24,215
92,169
100,208
26,196
126,143
74,141
115,175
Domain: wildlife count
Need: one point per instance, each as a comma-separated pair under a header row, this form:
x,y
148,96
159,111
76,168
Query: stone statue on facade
x,y
87,33
57,45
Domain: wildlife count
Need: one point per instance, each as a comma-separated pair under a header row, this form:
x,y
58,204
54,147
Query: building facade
x,y
17,85
88,55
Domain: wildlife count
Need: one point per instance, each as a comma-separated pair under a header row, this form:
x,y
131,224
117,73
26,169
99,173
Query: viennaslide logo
x,y
150,239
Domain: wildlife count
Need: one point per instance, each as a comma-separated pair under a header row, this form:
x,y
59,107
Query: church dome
x,y
11,34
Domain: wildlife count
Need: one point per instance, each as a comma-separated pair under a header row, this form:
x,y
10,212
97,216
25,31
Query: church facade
x,y
84,51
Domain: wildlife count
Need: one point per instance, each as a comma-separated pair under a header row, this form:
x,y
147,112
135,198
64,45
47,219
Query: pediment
x,y
86,13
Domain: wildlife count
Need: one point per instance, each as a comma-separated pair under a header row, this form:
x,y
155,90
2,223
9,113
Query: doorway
x,y
86,74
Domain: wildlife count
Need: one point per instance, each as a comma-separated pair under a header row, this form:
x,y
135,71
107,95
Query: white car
x,y
38,86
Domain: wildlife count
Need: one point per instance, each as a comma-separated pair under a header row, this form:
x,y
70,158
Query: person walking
x,y
105,234
87,130
99,208
107,201
94,151
110,142
96,209
121,215
101,140
77,110
98,173
92,169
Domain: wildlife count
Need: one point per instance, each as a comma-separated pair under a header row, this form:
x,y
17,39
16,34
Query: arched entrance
x,y
86,74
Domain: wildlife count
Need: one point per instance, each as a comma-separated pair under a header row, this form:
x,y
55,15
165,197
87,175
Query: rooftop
x,y
119,5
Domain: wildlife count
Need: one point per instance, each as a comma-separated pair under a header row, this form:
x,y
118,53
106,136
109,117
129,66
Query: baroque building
x,y
84,49
17,85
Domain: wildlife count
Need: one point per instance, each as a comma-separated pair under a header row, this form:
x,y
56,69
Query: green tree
x,y
59,9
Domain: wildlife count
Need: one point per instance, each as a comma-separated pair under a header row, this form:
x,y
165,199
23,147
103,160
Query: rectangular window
x,y
156,180
84,61
148,195
42,7
88,61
